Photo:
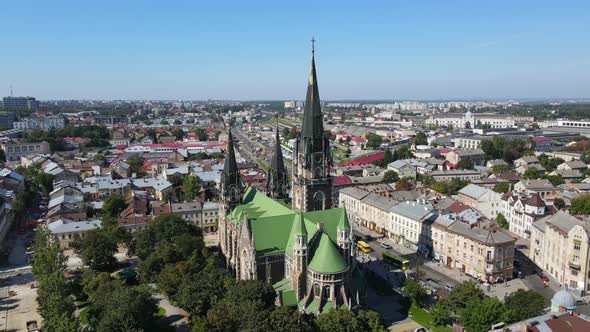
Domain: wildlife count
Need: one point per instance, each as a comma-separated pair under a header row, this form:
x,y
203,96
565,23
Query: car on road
x,y
581,302
449,286
385,245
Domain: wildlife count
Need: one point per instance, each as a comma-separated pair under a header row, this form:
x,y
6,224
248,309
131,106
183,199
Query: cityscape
x,y
211,206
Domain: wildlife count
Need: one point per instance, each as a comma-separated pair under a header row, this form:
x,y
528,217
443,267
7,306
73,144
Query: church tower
x,y
344,238
299,276
312,182
231,185
277,184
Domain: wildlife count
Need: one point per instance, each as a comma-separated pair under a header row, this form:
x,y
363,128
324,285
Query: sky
x,y
260,50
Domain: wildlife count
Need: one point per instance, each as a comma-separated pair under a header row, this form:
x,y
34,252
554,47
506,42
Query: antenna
x,y
11,90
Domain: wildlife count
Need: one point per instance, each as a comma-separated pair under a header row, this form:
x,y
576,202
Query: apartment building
x,y
483,199
202,214
535,186
521,210
560,245
15,149
463,174
410,225
481,249
46,122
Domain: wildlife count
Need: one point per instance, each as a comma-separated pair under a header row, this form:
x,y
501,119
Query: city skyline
x,y
391,51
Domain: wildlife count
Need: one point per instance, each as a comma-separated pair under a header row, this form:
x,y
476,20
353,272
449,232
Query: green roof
x,y
271,234
343,223
285,288
327,258
298,225
257,205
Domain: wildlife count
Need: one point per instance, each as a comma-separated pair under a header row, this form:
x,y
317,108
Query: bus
x,y
363,246
395,260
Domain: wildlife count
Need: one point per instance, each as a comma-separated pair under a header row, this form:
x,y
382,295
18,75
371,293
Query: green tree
x,y
45,182
200,291
581,205
177,122
502,187
192,187
113,205
48,258
501,168
202,134
555,180
464,164
440,313
420,138
387,157
286,319
97,250
55,305
371,321
523,304
559,203
414,290
501,220
178,134
531,173
390,176
403,184
338,319
135,164
480,315
92,280
462,294
118,308
373,141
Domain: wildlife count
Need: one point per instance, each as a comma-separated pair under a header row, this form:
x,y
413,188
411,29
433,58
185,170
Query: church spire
x,y
231,185
313,126
276,185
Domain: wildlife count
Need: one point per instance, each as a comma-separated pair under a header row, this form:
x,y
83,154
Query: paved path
x,y
174,315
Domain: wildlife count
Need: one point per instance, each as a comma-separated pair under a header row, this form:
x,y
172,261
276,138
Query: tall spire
x,y
276,184
313,126
231,185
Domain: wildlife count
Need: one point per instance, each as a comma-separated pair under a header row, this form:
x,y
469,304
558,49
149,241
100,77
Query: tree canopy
x,y
581,205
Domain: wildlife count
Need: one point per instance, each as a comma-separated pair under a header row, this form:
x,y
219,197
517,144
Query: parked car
x,y
385,245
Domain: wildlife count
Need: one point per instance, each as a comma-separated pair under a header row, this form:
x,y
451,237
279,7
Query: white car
x,y
385,245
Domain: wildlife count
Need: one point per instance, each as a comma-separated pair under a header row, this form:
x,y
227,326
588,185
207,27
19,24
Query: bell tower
x,y
312,182
277,184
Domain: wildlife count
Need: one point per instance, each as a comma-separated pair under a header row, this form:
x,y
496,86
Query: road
x,y
248,147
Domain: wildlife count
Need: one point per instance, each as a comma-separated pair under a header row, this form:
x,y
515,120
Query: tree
x,y
373,141
177,122
192,187
523,304
390,176
56,307
387,157
371,321
464,164
342,320
113,205
120,308
202,134
480,315
502,187
403,184
45,182
420,138
48,258
414,290
286,319
531,173
200,291
164,122
500,168
555,180
559,203
91,281
440,313
97,250
581,205
135,164
449,187
501,220
178,134
2,156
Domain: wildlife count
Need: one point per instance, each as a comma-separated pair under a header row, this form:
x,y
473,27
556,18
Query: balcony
x,y
490,259
574,265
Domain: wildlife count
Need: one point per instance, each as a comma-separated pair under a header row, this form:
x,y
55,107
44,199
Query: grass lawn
x,y
422,317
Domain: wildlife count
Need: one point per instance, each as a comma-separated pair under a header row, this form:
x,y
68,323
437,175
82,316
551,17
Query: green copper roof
x,y
285,289
257,205
299,225
343,223
327,258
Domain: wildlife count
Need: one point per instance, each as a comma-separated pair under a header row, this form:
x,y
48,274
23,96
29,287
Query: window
x,y
319,201
577,245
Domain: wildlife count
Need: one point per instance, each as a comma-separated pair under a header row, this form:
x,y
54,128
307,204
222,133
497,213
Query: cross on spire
x,y
313,45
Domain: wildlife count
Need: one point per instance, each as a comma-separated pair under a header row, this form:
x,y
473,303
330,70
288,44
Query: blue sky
x,y
261,50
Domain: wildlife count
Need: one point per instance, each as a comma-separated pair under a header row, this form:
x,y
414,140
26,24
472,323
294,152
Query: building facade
x,y
14,149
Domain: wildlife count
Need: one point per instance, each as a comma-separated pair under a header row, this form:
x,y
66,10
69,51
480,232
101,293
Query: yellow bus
x,y
363,246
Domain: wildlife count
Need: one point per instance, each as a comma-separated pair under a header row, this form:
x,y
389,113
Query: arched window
x,y
319,201
326,294
317,173
234,195
316,290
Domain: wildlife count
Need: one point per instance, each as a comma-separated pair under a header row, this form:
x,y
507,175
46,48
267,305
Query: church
x,y
305,249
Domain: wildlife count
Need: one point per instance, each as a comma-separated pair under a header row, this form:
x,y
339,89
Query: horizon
x,y
398,51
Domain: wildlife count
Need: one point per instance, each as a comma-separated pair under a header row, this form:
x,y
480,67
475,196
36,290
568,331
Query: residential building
x,y
483,199
46,122
15,149
410,225
560,245
463,174
403,169
481,250
202,214
541,186
476,120
66,231
476,156
521,210
573,165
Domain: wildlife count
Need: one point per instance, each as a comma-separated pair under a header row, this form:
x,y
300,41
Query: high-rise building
x,y
20,103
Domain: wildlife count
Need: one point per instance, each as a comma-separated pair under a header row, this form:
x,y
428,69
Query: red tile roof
x,y
364,159
341,180
457,207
